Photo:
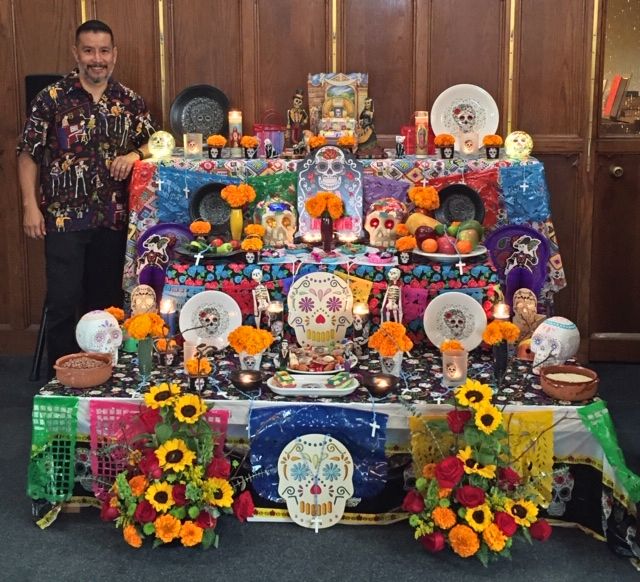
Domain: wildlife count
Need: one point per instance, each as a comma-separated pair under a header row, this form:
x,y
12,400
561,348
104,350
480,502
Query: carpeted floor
x,y
79,547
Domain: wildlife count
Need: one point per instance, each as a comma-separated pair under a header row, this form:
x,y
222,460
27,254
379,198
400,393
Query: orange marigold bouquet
x,y
346,141
253,244
425,197
325,204
472,500
249,141
200,227
317,141
406,243
451,346
255,230
116,312
217,141
402,229
500,331
146,325
173,488
166,345
198,366
492,141
250,340
238,196
390,338
444,140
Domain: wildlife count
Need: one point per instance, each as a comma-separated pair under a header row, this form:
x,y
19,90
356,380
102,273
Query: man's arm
x,y
32,219
122,165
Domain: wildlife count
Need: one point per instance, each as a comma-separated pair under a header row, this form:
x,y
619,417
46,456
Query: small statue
x,y
392,302
367,138
269,150
261,298
400,146
525,312
297,118
283,355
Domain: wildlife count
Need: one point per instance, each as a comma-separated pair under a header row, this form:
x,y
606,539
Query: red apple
x,y
423,233
446,246
235,244
216,242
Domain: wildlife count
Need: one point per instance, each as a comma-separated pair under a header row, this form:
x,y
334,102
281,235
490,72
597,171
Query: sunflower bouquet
x,y
173,489
472,500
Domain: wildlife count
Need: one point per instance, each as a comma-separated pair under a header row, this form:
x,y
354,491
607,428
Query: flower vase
x,y
326,233
446,153
197,384
236,222
145,356
250,361
215,153
251,153
392,364
492,152
500,359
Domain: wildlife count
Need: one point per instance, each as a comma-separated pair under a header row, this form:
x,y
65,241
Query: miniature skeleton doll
x,y
261,298
392,302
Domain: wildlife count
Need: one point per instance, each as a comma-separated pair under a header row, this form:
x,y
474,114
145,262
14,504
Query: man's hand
x,y
122,165
33,222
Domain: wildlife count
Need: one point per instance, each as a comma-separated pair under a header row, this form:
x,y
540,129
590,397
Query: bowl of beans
x,y
83,370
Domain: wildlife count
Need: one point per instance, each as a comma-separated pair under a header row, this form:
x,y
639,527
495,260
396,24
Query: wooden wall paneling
x,y
378,38
283,62
421,49
137,36
467,44
204,45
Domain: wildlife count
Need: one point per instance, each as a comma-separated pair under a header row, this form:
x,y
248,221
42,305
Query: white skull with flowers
x,y
315,479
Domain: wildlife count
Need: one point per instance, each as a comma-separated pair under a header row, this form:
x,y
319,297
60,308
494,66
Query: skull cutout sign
x,y
553,342
315,479
320,309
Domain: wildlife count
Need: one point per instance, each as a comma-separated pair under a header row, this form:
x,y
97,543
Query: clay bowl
x,y
70,371
569,390
379,384
246,379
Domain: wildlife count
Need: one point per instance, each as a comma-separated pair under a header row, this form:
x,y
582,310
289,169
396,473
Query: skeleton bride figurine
x,y
392,302
261,298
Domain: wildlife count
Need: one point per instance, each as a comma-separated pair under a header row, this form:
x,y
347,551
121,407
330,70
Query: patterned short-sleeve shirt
x,y
74,141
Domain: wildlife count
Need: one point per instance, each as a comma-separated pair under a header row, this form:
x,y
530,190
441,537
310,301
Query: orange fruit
x,y
464,247
429,245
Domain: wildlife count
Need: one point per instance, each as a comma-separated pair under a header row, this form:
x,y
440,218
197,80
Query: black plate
x,y
207,204
459,202
200,109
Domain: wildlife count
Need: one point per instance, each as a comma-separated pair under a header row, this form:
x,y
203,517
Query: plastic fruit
x,y
469,235
417,219
453,228
464,247
225,248
445,246
216,242
423,233
235,244
429,245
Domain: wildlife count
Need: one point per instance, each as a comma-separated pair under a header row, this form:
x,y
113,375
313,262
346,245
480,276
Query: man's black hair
x,y
94,26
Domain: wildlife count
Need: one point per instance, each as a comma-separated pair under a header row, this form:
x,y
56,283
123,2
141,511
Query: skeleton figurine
x,y
392,302
261,298
400,146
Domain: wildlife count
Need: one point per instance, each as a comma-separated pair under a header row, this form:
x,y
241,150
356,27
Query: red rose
x,y
205,520
243,506
150,465
449,471
508,479
470,496
413,502
433,542
145,513
108,513
540,530
219,467
457,419
505,523
178,493
150,417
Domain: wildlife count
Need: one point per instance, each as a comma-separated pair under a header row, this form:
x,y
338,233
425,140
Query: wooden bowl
x,y
83,377
569,390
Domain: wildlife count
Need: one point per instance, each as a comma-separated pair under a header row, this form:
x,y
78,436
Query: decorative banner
x,y
360,288
362,433
525,193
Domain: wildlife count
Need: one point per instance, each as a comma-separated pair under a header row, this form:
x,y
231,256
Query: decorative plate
x,y
459,202
464,108
200,109
206,203
353,361
209,317
312,386
444,258
454,315
178,234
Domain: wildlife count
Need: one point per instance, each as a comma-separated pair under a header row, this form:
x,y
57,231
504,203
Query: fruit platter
x,y
217,248
285,384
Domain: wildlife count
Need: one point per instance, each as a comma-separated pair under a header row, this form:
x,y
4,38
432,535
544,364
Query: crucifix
x,y
198,257
374,427
159,185
460,265
316,521
524,186
439,399
186,190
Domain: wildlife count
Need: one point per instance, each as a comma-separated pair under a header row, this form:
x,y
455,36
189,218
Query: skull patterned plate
x,y
464,108
454,315
200,109
313,386
209,317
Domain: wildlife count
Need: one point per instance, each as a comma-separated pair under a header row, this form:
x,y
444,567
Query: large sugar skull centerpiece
x,y
330,169
99,331
553,342
320,309
315,479
278,218
382,218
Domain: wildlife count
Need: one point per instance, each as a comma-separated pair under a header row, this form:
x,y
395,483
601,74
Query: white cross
x,y
198,257
439,399
316,521
159,184
524,186
221,393
460,264
374,427
186,191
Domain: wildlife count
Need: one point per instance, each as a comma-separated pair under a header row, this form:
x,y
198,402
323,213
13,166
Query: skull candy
x,y
553,342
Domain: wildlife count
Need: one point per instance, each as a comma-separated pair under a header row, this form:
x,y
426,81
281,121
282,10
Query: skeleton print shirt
x,y
74,141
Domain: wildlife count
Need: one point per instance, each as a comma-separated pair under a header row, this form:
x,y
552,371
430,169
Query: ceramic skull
x,y
143,300
315,479
381,221
161,144
278,218
518,145
562,489
320,308
330,165
553,342
465,117
99,331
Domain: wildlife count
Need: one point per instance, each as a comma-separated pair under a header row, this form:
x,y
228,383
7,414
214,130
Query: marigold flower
x,y
167,528
237,196
198,367
138,484
255,230
216,141
429,471
451,345
325,202
464,541
406,243
250,340
444,140
145,325
425,197
253,244
317,141
492,140
116,312
200,227
494,538
249,141
346,141
390,338
444,517
402,229
190,534
131,536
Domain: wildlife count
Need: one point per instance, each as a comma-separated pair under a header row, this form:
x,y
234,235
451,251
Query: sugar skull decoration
x,y
279,220
143,300
561,491
161,144
464,114
381,220
518,145
99,331
553,342
320,309
315,479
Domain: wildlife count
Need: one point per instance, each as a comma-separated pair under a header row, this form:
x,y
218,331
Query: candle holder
x,y
501,311
169,315
235,133
360,328
246,379
454,367
422,133
192,145
379,384
275,312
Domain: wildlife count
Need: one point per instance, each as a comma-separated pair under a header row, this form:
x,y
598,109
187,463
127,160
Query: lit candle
x,y
275,308
501,312
235,128
361,309
192,145
169,314
422,133
454,367
246,378
347,237
468,142
311,237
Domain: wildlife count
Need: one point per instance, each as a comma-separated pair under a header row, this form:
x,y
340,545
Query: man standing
x,y
74,189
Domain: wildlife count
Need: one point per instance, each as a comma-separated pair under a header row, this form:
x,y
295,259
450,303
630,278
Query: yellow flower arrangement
x,y
250,340
464,541
317,141
390,338
406,243
249,141
200,228
254,230
116,312
346,141
492,140
451,345
174,455
161,395
198,367
145,325
444,140
216,141
498,331
425,197
237,196
252,244
402,229
325,204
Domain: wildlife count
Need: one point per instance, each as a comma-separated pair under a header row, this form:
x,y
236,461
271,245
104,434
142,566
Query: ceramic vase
x,y
197,384
250,361
145,356
326,233
236,222
492,152
392,364
500,360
